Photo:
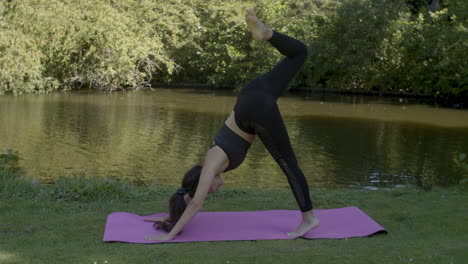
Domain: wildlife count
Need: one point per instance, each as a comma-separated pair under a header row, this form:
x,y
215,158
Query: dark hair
x,y
177,203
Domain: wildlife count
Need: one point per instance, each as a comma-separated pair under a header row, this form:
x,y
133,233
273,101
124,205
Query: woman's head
x,y
177,203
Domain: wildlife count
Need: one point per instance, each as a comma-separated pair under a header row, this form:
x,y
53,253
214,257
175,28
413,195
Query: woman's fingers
x,y
154,219
162,237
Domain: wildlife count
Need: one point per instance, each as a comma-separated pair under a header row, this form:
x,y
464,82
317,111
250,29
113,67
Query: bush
x,y
433,52
9,162
348,49
381,45
128,44
104,44
12,181
76,187
462,166
81,188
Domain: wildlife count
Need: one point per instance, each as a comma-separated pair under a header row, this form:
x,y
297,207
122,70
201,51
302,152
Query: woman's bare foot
x,y
309,222
259,30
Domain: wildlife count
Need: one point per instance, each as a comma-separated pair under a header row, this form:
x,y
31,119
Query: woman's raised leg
x,y
264,117
277,79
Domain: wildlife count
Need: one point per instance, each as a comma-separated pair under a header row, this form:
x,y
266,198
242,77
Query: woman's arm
x,y
196,204
216,161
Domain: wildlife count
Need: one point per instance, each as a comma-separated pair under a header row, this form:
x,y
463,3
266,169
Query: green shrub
x,y
82,188
128,44
100,43
433,52
348,45
462,166
76,187
12,181
9,162
381,45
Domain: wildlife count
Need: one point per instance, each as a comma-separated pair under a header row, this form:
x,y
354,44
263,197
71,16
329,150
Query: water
x,y
155,136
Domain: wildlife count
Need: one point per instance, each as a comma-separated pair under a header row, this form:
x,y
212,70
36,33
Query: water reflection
x,y
155,136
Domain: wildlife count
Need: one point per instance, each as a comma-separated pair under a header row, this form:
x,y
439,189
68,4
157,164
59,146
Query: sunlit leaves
x,y
354,44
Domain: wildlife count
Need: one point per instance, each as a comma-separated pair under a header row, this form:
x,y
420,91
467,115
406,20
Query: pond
x,y
155,136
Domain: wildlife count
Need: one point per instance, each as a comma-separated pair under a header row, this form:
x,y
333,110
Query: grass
x,y
64,223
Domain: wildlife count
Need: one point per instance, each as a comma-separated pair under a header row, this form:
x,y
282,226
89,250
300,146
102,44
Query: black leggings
x,y
256,112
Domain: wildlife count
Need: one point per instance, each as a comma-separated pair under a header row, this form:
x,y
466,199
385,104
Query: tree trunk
x,y
434,5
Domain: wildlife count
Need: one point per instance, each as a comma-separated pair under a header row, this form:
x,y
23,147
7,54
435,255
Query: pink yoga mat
x,y
258,225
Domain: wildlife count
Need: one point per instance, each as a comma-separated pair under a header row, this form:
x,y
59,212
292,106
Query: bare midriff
x,y
231,123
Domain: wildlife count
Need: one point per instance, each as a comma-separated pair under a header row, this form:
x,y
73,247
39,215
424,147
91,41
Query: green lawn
x,y
424,227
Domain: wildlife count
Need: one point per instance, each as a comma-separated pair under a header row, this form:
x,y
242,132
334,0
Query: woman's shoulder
x,y
216,160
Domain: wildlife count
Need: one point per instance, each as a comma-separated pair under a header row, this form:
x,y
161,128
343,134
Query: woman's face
x,y
216,183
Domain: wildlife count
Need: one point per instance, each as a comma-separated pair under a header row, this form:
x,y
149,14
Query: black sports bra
x,y
233,145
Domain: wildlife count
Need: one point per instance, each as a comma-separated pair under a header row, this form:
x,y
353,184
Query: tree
x,y
434,5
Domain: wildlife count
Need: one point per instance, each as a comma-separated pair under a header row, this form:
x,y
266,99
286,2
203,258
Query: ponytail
x,y
177,203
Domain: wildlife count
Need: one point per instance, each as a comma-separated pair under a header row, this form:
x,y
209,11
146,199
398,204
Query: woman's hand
x,y
162,237
155,219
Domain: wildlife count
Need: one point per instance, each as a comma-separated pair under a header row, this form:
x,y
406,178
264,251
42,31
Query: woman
x,y
255,113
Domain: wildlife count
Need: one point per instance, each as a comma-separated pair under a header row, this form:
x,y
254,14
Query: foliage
x,y
128,44
48,44
461,164
78,187
12,181
348,49
82,188
433,57
380,45
9,162
211,46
